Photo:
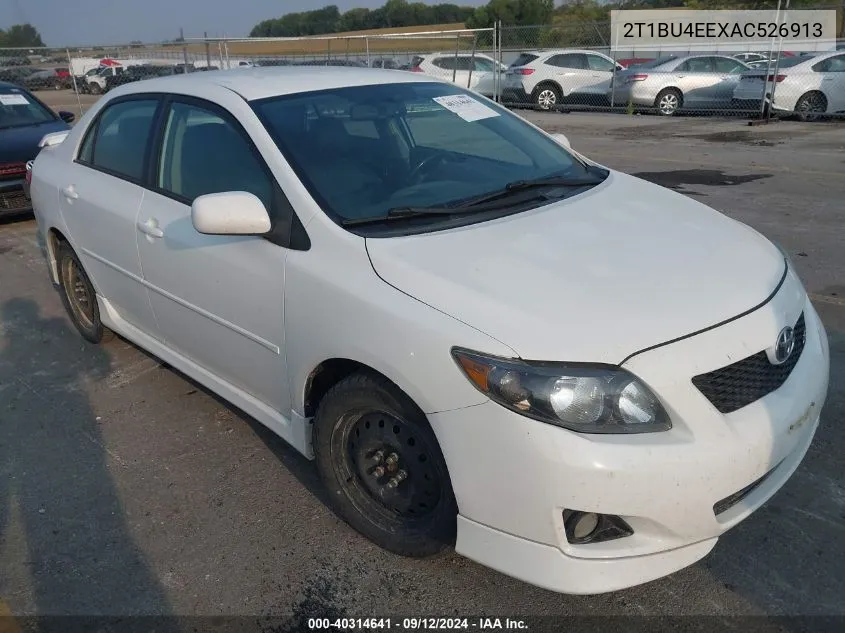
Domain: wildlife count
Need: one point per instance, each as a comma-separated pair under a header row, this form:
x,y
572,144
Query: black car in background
x,y
24,120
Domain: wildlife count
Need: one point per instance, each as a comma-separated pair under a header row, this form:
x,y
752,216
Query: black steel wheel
x,y
383,467
79,296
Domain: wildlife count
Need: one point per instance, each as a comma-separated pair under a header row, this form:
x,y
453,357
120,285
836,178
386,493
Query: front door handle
x,y
70,193
150,227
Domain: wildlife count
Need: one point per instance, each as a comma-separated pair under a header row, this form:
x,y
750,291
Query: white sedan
x,y
809,86
479,335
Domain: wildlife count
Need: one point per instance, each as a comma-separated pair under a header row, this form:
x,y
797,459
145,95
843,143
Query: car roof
x,y
260,83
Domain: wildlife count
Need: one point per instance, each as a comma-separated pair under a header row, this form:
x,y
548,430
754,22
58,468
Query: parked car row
x,y
810,85
34,78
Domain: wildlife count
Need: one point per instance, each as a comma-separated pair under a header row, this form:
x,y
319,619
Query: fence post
x,y
498,47
472,63
207,50
367,43
777,67
328,50
73,79
455,67
185,57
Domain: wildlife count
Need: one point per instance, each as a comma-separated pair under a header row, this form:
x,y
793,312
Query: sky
x,y
98,22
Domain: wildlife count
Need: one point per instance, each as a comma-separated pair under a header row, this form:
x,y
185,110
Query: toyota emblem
x,y
785,345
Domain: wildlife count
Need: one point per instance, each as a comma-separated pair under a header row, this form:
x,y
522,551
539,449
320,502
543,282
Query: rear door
x,y
729,72
100,194
601,72
697,79
570,71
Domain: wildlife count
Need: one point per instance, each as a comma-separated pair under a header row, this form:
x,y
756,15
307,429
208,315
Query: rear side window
x,y
204,152
600,63
523,59
568,60
117,143
831,65
727,65
697,65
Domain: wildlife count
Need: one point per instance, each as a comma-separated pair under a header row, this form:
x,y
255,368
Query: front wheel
x,y
383,468
95,89
668,101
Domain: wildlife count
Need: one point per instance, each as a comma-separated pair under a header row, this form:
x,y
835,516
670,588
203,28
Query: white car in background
x,y
547,79
475,71
472,328
809,86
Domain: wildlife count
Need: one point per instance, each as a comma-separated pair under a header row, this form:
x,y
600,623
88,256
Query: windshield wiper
x,y
484,202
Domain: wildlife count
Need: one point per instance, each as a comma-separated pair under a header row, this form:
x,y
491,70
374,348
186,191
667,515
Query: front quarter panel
x,y
337,307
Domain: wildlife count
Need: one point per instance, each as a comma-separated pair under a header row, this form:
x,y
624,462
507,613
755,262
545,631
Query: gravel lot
x,y
127,489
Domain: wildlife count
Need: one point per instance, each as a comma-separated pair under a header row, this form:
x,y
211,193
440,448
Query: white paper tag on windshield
x,y
466,107
13,100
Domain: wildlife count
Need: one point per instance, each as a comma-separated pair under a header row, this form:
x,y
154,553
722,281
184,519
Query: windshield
x,y
363,151
18,109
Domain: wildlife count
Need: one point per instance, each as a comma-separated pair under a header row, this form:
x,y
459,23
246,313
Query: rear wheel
x,y
669,101
79,297
94,89
811,106
547,96
383,467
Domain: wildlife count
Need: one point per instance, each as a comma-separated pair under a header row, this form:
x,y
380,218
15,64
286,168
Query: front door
x,y
100,195
218,300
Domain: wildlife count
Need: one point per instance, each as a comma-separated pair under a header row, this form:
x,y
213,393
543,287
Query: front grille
x,y
14,200
735,386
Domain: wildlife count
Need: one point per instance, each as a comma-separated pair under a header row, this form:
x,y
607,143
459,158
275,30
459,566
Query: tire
x,y
547,96
810,106
79,297
669,101
94,89
361,424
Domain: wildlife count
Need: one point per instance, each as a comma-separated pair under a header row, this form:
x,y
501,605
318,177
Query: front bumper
x,y
513,477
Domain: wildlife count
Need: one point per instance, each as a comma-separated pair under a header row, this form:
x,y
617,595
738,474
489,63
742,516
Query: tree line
x,y
20,36
401,13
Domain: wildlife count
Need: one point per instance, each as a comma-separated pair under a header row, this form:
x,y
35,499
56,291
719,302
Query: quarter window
x,y
203,152
117,143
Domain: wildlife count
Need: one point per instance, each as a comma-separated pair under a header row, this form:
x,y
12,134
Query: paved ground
x,y
127,489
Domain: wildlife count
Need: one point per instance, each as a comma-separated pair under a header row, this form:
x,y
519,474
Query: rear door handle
x,y
150,227
70,193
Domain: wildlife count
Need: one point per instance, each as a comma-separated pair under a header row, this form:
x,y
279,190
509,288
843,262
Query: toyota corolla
x,y
482,337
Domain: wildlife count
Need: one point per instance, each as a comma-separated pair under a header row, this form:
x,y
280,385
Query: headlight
x,y
579,397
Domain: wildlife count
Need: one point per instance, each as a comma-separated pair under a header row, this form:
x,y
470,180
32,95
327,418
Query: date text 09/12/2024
x,y
416,624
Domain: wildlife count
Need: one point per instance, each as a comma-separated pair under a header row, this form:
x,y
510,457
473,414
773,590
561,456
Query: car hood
x,y
20,144
622,267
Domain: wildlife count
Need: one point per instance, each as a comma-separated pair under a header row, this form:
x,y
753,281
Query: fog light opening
x,y
590,527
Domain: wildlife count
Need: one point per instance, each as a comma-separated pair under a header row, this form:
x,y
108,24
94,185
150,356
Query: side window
x,y
600,63
697,65
831,65
484,65
117,142
446,63
204,152
568,60
727,65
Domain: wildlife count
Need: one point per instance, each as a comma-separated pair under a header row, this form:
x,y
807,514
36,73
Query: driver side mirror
x,y
230,213
67,117
562,139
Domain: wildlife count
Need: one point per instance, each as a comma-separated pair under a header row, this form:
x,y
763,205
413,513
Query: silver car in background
x,y
809,86
694,82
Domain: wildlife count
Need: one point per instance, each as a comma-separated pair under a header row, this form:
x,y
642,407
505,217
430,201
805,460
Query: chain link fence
x,y
559,67
575,67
